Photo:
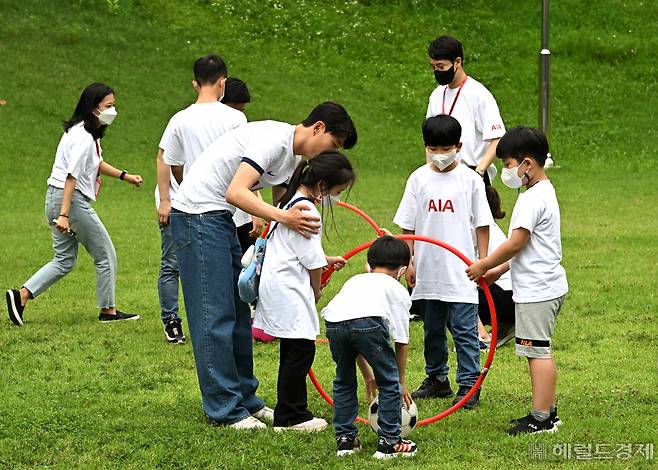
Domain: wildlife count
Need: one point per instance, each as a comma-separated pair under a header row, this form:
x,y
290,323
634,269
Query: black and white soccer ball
x,y
409,417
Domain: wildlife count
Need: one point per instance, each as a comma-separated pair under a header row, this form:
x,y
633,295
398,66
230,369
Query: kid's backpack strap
x,y
294,201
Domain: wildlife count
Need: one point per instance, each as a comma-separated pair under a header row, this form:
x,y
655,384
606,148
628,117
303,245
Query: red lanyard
x,y
454,102
98,174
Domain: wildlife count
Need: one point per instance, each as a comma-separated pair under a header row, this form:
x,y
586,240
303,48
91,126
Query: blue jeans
x,y
464,328
208,255
168,277
368,337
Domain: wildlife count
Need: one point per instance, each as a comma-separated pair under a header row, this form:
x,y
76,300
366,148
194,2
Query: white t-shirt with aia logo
x,y
447,207
477,112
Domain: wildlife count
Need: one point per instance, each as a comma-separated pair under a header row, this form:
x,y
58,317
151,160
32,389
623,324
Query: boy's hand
x,y
258,225
475,270
371,389
406,397
492,276
386,231
163,211
410,275
338,262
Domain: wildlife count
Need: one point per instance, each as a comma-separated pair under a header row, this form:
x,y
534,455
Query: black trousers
x,y
503,303
243,236
295,359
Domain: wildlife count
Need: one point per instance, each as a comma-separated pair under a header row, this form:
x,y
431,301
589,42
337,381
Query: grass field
x,y
76,393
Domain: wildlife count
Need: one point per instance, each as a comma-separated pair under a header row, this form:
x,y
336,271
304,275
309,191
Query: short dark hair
x,y
441,131
446,48
521,142
389,252
236,92
208,69
336,121
89,100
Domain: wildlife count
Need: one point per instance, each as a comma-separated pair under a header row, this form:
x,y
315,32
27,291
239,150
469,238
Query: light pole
x,y
544,77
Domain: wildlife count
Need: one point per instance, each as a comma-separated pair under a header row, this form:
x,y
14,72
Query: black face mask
x,y
444,77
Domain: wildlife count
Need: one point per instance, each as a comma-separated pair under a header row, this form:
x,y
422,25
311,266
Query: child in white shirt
x,y
532,254
290,287
369,310
445,201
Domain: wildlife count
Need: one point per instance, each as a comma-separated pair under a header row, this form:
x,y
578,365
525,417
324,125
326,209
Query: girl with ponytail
x,y
290,286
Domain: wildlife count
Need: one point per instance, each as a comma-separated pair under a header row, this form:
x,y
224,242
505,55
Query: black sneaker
x,y
107,317
174,332
472,402
553,418
432,387
402,447
528,424
15,307
347,445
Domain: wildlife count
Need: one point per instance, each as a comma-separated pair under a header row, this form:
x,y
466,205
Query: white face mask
x,y
442,160
107,116
511,178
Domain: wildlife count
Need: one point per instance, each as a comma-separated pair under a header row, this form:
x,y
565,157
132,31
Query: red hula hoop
x,y
485,288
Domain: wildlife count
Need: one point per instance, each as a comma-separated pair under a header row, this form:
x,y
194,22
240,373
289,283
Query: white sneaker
x,y
264,414
312,425
248,423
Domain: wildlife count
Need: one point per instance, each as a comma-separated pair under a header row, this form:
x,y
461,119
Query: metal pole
x,y
544,76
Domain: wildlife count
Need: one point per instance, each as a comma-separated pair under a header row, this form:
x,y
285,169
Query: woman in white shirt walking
x,y
74,182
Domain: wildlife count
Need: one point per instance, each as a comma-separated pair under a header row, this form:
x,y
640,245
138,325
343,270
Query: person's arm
x,y
62,221
401,352
494,274
316,280
240,195
163,188
505,252
257,223
108,170
410,273
488,157
482,237
368,377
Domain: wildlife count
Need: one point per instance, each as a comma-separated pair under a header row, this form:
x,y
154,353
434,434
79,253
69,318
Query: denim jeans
x,y
464,329
168,277
91,233
208,256
368,337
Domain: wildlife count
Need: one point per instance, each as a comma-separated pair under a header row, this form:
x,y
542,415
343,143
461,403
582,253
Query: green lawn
x,y
76,393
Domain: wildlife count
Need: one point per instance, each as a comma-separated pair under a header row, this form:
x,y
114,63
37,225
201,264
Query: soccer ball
x,y
409,417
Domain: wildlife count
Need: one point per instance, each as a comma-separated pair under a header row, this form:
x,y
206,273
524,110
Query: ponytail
x,y
494,202
330,167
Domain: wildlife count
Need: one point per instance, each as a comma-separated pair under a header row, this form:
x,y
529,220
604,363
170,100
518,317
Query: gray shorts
x,y
535,323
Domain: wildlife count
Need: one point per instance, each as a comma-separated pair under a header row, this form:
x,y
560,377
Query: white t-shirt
x,y
241,218
496,238
190,131
265,145
80,156
537,274
477,113
446,207
373,295
286,303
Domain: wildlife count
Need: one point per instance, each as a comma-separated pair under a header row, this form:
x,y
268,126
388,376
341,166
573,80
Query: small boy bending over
x,y
532,254
360,320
